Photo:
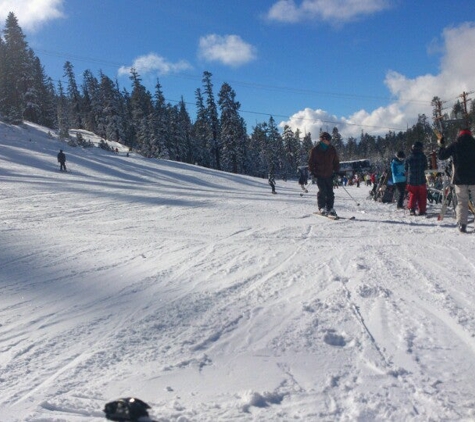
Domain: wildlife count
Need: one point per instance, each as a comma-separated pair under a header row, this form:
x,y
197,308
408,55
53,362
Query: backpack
x,y
127,409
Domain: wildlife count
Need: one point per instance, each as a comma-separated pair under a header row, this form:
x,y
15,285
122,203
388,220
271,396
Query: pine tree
x,y
63,113
47,101
201,132
74,97
258,155
142,114
32,82
110,103
212,121
233,131
274,149
93,105
291,146
305,149
185,134
15,71
161,128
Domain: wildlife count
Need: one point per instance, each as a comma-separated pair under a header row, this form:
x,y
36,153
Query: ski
x,y
334,217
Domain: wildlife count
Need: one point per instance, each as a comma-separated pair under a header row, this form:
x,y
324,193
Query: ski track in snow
x,y
212,300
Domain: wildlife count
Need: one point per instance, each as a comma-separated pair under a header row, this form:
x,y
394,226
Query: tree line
x,y
216,138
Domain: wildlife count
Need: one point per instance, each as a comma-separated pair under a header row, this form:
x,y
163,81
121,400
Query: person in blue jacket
x,y
398,172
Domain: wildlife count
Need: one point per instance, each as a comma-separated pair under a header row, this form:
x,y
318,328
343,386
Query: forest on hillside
x,y
216,137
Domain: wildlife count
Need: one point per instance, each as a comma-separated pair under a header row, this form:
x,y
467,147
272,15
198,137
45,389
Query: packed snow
x,y
211,299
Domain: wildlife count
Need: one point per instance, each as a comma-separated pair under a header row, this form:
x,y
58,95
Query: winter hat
x,y
417,146
325,135
464,131
400,155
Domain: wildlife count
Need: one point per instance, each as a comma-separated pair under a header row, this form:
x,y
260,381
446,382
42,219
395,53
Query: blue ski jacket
x,y
398,170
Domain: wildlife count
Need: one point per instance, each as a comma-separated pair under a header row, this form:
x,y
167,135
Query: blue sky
x,y
370,65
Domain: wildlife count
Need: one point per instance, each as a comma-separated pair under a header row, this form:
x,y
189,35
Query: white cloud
x,y
153,63
230,50
32,14
412,96
336,11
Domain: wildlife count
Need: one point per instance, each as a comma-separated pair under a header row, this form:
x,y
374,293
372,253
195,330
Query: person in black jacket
x,y
62,160
323,164
416,165
462,151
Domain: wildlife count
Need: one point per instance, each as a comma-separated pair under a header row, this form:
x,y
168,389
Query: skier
x,y
324,164
62,160
271,181
398,172
462,151
303,178
416,165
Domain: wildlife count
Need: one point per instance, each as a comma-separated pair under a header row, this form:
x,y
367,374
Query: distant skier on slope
x,y
323,164
271,181
62,160
303,178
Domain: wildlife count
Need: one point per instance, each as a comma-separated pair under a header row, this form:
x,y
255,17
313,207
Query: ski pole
x,y
357,203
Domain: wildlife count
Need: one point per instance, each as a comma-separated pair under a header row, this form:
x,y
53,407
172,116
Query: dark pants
x,y
401,189
62,166
325,194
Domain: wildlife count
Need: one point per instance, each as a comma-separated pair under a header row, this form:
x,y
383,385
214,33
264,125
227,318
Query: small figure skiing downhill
x,y
62,160
271,181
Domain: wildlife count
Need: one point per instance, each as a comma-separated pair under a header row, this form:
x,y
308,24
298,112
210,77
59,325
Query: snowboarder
x,y
462,151
62,160
324,164
398,172
416,165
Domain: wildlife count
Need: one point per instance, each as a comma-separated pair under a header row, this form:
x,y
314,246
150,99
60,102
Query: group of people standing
x,y
408,174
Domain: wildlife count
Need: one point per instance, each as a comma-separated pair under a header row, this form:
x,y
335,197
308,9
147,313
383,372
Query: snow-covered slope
x,y
211,299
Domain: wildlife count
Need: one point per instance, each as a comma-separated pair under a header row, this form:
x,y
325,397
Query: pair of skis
x,y
334,217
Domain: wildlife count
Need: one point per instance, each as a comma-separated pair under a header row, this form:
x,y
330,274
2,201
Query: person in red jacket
x,y
462,151
323,164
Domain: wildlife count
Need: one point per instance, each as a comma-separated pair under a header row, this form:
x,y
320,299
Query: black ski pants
x,y
325,194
